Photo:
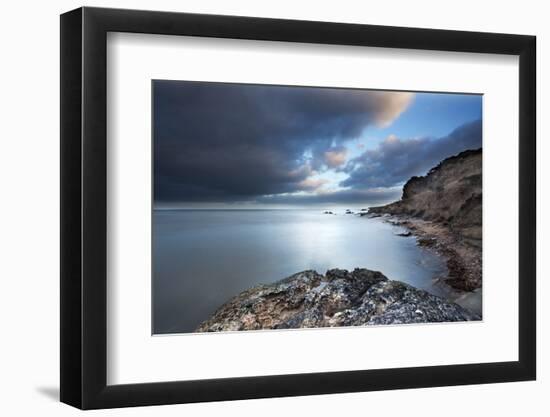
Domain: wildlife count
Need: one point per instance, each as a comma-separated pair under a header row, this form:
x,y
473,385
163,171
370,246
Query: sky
x,y
224,145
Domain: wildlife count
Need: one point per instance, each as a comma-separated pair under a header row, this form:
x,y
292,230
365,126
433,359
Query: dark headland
x,y
441,209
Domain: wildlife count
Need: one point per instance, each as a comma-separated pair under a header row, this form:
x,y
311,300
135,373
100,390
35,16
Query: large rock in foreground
x,y
339,298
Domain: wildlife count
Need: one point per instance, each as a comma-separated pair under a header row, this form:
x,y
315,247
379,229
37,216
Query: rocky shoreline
x,y
443,210
339,298
464,263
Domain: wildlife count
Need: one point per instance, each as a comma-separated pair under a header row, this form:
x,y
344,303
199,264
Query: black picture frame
x,y
84,207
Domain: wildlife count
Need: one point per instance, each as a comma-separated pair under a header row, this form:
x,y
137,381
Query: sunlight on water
x,y
204,257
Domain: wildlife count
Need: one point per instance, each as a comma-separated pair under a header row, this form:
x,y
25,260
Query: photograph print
x,y
294,207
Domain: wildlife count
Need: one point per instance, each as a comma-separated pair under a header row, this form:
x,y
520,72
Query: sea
x,y
202,258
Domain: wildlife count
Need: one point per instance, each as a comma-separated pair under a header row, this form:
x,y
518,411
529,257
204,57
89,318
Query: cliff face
x,y
338,298
450,194
443,210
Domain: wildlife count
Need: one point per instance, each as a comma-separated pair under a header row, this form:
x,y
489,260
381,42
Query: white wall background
x,y
29,237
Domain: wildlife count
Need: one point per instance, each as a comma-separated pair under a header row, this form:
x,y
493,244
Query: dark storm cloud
x,y
235,142
395,160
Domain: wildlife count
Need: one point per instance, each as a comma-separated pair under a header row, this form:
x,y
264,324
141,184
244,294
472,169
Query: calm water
x,y
202,258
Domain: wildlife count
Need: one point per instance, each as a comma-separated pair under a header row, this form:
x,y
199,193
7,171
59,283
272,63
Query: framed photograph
x,y
257,208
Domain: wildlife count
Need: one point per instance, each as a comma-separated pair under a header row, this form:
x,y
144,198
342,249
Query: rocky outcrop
x,y
338,298
444,210
449,193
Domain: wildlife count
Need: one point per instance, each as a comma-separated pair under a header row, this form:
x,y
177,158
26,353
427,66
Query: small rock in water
x,y
426,242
